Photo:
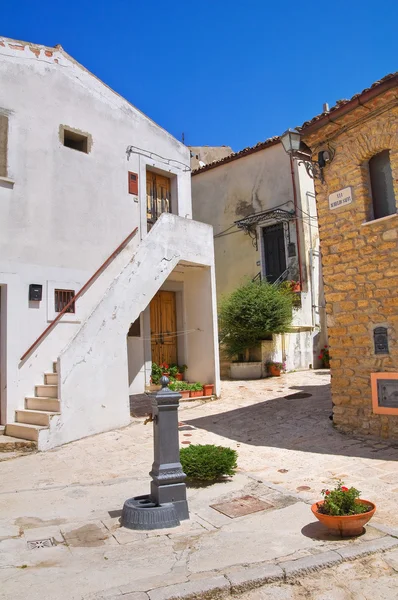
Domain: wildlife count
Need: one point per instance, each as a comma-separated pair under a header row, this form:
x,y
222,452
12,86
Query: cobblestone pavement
x,y
288,451
371,578
291,441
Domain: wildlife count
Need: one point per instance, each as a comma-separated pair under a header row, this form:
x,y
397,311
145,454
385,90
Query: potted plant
x,y
181,372
250,314
182,387
208,389
342,510
156,373
195,389
275,368
324,357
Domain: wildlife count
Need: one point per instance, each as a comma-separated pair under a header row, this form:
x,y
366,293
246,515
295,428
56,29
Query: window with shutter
x,y
381,181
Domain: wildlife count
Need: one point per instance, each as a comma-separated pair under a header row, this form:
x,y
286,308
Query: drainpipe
x,y
297,227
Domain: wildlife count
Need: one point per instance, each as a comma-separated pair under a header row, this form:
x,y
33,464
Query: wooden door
x,y
274,252
157,195
164,328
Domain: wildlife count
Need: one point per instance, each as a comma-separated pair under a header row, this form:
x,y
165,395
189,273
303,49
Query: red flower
x,y
325,346
327,493
344,488
164,365
320,356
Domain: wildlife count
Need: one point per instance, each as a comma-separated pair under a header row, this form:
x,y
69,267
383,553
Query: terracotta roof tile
x,y
340,103
235,155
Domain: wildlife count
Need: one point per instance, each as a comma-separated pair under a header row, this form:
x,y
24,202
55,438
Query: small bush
x,y
251,313
208,463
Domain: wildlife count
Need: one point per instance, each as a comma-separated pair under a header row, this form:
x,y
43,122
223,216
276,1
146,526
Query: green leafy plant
x,y
178,386
251,313
208,462
277,365
195,387
170,371
342,501
156,373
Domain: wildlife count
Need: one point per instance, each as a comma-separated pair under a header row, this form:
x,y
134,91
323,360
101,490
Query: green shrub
x,y
208,463
251,313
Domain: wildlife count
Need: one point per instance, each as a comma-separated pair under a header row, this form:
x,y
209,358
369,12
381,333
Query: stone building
x,y
357,212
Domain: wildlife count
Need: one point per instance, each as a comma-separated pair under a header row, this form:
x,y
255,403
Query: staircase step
x,y
24,432
47,391
51,378
47,404
34,417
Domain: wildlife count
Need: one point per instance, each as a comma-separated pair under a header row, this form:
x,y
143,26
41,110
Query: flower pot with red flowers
x,y
342,511
208,389
196,390
324,357
174,372
274,368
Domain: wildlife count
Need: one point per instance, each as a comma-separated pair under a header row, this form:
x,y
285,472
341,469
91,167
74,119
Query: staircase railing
x,y
80,292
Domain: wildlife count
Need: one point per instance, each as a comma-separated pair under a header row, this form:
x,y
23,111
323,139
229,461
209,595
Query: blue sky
x,y
223,72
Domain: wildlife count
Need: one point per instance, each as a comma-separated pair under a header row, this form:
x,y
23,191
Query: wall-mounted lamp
x,y
291,142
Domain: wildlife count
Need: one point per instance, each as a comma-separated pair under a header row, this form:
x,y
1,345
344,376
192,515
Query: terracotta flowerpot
x,y
345,526
184,393
274,371
179,376
208,389
196,394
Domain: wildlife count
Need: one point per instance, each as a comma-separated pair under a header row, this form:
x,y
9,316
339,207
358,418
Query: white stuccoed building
x,y
87,179
263,211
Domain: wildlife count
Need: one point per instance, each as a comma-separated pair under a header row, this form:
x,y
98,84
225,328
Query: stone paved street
x,y
292,442
288,451
372,578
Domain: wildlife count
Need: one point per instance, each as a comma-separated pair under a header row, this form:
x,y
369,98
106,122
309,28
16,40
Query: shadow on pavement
x,y
293,423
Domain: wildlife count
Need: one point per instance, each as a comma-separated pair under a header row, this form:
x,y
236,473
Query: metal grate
x,y
38,544
61,299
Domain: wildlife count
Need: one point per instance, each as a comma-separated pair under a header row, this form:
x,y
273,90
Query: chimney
x,y
325,107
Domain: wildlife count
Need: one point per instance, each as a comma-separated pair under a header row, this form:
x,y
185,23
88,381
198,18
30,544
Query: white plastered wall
x,y
251,184
63,212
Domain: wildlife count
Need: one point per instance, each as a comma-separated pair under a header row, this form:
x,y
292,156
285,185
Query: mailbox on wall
x,y
35,292
380,337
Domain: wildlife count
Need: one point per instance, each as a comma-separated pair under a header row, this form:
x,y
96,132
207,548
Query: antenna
x,y
183,137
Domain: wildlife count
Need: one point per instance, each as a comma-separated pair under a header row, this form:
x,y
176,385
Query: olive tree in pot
x,y
246,316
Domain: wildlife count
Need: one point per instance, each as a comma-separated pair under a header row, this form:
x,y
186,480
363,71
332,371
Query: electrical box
x,y
35,292
133,183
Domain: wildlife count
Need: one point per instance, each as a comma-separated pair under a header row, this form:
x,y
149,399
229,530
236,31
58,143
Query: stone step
x,y
47,391
47,404
23,431
51,378
34,417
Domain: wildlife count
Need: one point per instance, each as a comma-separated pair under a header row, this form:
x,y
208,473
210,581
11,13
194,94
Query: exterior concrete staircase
x,y
39,410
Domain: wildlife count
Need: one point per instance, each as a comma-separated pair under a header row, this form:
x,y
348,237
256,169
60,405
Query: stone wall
x,y
359,262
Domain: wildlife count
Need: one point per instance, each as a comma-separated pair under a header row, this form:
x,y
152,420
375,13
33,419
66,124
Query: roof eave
x,y
351,105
